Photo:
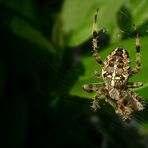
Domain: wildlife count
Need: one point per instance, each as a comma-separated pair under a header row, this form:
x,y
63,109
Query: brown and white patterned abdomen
x,y
116,69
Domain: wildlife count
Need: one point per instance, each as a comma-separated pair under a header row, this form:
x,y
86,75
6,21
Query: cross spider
x,y
116,71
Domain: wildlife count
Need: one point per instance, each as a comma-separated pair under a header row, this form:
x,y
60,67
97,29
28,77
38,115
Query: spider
x,y
116,70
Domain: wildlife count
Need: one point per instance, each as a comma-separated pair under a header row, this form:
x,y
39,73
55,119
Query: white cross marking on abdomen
x,y
113,75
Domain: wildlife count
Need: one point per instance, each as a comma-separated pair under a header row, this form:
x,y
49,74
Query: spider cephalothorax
x,y
116,71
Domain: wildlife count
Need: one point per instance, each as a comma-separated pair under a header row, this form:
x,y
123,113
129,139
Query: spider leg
x,y
92,87
138,60
94,41
97,74
134,84
139,104
124,108
95,104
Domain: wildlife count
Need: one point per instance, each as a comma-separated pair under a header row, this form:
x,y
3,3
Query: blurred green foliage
x,y
46,58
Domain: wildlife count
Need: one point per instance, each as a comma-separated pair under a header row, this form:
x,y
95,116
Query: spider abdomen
x,y
116,68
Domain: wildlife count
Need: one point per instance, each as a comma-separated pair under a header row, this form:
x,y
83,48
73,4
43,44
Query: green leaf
x,y
90,66
20,19
138,10
77,17
26,31
132,12
23,7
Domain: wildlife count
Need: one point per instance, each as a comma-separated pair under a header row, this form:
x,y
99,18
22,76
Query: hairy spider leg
x,y
94,41
95,103
98,74
137,99
126,112
138,60
94,87
124,108
134,84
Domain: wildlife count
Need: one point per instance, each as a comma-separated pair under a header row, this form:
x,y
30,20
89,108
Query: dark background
x,y
45,52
